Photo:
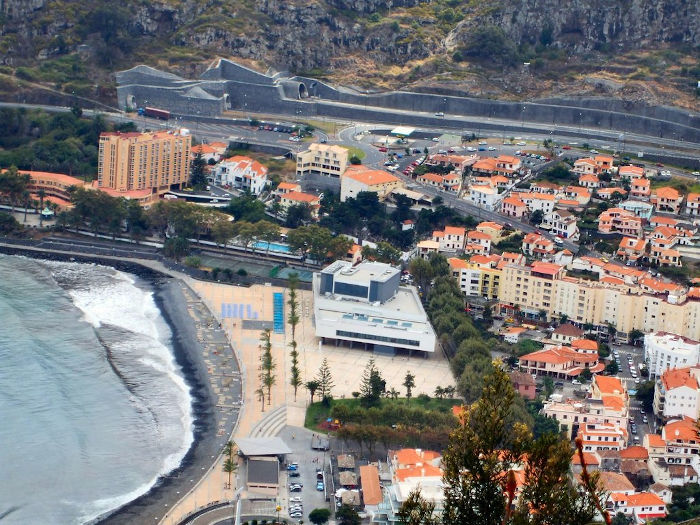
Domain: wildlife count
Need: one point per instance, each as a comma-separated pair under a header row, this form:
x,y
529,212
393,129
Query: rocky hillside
x,y
646,49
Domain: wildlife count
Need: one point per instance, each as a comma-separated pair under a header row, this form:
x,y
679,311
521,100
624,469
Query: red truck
x,y
157,113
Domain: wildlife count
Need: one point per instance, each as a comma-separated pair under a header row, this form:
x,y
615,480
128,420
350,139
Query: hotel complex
x,y
138,162
364,304
322,159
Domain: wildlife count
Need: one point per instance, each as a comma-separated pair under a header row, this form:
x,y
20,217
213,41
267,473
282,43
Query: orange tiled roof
x,y
683,429
634,452
508,159
300,197
488,224
288,186
454,230
655,440
614,481
371,177
667,192
204,149
371,490
545,267
584,344
478,235
488,164
588,177
608,384
588,458
613,403
434,177
457,263
678,377
631,243
427,470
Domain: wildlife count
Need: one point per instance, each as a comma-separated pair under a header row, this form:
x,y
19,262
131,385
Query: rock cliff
x,y
390,43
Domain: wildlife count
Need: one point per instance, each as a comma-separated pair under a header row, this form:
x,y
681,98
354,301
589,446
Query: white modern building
x,y
241,173
365,305
663,351
676,393
484,196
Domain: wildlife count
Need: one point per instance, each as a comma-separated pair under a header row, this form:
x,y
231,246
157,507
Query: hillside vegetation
x,y
636,49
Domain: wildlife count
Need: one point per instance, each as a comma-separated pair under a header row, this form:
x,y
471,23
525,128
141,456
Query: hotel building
x,y
322,159
143,161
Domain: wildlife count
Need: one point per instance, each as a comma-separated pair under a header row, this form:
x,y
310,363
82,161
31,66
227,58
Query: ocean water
x,y
93,406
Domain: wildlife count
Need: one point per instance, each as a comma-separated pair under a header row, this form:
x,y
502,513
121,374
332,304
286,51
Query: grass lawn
x,y
352,150
329,127
681,184
317,413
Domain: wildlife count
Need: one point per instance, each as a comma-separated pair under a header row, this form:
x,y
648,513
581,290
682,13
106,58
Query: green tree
x,y
585,374
409,382
645,394
415,510
246,208
612,368
267,364
319,516
222,232
267,232
621,519
198,176
384,252
347,515
176,247
293,320
324,379
297,215
422,272
372,386
536,217
635,336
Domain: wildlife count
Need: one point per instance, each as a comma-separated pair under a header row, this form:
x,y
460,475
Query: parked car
x,y
294,474
436,139
320,486
491,148
383,149
295,499
293,466
295,488
296,515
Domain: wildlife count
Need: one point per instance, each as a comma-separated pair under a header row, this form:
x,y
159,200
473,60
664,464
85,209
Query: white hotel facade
x,y
365,304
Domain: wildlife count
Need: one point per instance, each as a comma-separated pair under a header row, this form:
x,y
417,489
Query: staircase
x,y
270,425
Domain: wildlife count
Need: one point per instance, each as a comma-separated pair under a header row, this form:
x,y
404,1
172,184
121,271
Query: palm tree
x,y
230,467
26,200
261,395
41,193
312,386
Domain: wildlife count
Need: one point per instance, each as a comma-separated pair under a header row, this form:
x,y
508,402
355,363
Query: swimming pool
x,y
272,246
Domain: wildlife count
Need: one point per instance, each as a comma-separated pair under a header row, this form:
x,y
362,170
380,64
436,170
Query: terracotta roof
x,y
370,177
509,159
457,263
568,202
611,191
585,161
66,180
412,456
288,186
514,201
544,267
454,230
631,170
683,429
615,482
426,470
300,197
478,235
369,480
655,440
642,499
588,177
488,164
204,149
584,344
630,243
588,458
569,330
666,192
661,220
554,355
641,183
613,403
634,452
693,197
608,384
434,177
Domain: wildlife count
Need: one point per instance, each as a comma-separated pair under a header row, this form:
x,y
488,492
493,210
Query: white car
x,y
295,499
576,382
436,139
522,143
491,148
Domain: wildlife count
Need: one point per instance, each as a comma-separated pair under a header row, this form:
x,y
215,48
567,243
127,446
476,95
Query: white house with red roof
x,y
513,207
632,249
478,242
589,181
561,223
641,506
667,199
602,436
677,395
562,362
451,239
241,173
692,204
537,245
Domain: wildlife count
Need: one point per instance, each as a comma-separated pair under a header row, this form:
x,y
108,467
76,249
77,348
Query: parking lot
x,y
308,461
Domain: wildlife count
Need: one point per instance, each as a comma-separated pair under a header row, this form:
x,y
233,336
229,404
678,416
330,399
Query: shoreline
x,y
169,296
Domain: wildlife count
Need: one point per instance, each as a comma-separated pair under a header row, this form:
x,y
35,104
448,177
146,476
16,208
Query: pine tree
x,y
267,365
295,375
372,386
325,380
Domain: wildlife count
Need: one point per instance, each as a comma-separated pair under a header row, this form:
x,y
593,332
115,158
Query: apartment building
x,y
484,196
674,456
577,193
357,179
664,351
649,305
538,201
507,165
602,436
478,242
677,395
295,198
154,161
322,159
571,414
477,277
56,186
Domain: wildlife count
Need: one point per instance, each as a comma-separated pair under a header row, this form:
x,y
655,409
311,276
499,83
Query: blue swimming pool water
x,y
274,246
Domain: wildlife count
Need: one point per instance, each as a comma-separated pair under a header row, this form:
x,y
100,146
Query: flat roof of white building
x,y
402,131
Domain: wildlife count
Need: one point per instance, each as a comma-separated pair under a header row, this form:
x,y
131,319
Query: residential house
x,y
608,386
499,182
607,193
630,172
431,179
640,189
602,436
241,173
492,229
537,245
561,223
692,205
604,163
616,482
487,165
674,457
295,198
617,220
207,152
560,362
451,182
426,247
511,334
537,201
408,224
677,395
571,414
459,162
565,333
286,187
585,166
589,181
577,193
451,239
513,207
478,243
322,159
524,385
357,179
484,196
545,187
639,208
507,165
641,506
632,249
667,199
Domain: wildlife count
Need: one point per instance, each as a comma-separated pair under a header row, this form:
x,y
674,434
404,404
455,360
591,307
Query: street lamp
x,y
278,509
